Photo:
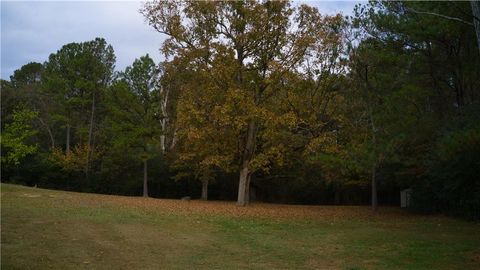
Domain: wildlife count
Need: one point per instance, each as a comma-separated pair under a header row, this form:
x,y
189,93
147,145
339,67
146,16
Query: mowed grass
x,y
46,229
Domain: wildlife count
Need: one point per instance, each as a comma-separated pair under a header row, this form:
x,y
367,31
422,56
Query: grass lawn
x,y
46,229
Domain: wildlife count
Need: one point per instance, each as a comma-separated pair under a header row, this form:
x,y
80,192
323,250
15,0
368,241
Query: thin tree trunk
x,y
247,188
174,140
50,134
145,178
476,19
374,166
374,144
164,118
162,142
204,190
90,133
374,189
67,149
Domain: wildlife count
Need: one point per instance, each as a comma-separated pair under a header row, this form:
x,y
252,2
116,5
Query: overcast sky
x,y
31,31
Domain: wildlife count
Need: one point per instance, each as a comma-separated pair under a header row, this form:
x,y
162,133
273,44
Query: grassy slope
x,y
45,229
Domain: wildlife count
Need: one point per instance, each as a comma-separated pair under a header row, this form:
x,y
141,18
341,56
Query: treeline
x,y
265,101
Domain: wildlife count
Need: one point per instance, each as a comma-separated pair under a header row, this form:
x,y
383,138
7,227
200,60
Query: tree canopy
x,y
262,101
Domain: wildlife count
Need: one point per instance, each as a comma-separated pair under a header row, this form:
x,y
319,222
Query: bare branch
x,y
439,15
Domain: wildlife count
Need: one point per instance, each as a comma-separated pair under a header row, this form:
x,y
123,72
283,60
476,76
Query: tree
x,y
30,73
134,113
475,6
207,131
476,20
244,49
16,138
172,76
27,82
75,78
373,140
406,82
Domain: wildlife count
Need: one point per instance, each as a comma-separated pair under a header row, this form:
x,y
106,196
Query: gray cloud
x,y
31,31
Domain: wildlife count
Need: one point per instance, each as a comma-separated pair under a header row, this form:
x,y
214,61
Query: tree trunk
x,y
50,134
162,142
247,188
242,185
374,144
245,173
164,117
248,151
476,19
374,166
204,190
174,140
374,189
90,133
145,177
67,148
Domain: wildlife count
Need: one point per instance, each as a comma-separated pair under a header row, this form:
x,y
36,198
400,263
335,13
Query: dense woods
x,y
262,101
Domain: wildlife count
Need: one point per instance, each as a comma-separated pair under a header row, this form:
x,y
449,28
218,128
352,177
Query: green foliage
x,y
74,77
16,138
412,71
310,107
132,121
451,183
30,73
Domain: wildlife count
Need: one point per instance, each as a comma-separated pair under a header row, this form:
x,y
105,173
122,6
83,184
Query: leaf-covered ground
x,y
45,229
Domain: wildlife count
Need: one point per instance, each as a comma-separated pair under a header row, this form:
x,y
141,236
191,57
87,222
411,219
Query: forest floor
x,y
47,229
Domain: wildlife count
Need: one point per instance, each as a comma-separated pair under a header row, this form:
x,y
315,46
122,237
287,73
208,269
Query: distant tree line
x,y
262,101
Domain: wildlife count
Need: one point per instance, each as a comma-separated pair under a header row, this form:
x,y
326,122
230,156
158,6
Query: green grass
x,y
45,229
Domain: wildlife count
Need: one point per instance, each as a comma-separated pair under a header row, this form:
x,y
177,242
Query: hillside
x,y
64,230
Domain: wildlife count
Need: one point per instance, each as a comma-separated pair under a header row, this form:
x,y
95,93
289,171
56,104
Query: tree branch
x,y
439,15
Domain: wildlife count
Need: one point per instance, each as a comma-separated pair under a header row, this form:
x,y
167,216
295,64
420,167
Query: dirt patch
x,y
31,195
